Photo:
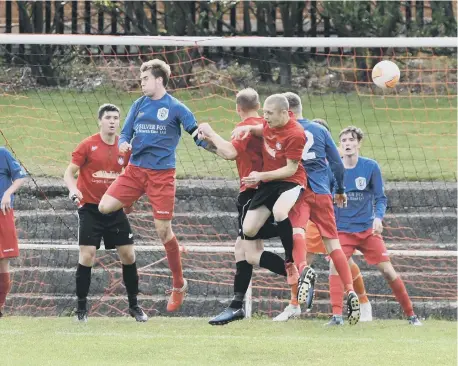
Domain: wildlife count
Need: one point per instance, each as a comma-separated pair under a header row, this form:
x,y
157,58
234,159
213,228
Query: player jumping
x,y
283,178
12,176
152,131
249,252
99,162
314,246
360,224
316,203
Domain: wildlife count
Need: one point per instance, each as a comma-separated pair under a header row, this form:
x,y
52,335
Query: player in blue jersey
x,y
151,131
12,176
316,204
314,245
360,224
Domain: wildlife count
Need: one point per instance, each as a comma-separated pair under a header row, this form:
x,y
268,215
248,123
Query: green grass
x,y
412,138
184,341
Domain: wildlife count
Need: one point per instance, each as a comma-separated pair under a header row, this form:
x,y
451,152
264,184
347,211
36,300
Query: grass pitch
x,y
412,137
185,341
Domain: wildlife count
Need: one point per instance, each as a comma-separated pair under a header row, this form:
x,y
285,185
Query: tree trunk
x,y
263,53
419,12
288,11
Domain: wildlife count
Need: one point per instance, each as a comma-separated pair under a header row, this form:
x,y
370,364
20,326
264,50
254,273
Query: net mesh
x,y
48,105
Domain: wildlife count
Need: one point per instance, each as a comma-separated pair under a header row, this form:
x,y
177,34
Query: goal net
x,y
51,88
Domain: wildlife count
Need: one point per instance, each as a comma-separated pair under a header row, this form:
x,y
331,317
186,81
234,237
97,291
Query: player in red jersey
x,y
12,176
282,177
248,156
99,162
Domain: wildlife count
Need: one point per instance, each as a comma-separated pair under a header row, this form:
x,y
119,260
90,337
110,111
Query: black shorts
x,y
267,193
243,203
114,228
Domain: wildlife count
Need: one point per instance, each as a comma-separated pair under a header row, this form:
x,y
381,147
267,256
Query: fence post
x,y
313,23
87,17
74,17
114,25
234,21
8,28
59,17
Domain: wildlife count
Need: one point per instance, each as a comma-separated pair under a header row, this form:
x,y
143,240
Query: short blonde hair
x,y
294,101
279,101
158,69
355,132
247,99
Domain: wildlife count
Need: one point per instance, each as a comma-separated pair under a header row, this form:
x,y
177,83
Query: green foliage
x,y
363,19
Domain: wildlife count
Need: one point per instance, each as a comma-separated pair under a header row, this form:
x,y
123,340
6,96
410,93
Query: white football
x,y
386,74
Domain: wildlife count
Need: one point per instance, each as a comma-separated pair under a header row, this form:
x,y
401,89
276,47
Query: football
x,y
386,74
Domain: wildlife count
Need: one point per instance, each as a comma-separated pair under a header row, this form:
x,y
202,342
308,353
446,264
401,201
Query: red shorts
x,y
372,246
159,186
8,237
317,208
314,240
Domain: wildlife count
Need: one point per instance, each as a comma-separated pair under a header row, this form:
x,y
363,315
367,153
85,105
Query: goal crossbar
x,y
333,42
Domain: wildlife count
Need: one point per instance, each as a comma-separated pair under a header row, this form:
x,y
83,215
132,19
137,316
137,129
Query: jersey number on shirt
x,y
306,155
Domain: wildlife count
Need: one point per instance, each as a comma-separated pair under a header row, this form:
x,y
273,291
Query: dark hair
x,y
355,132
322,122
107,108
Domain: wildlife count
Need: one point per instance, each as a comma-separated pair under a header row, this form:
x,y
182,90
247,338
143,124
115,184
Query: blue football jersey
x,y
10,170
319,152
153,127
366,197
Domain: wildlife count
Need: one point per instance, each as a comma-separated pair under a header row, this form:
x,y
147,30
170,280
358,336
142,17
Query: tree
x,y
43,60
361,19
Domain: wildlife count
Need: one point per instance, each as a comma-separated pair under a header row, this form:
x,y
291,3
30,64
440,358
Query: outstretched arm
x,y
222,148
187,119
243,132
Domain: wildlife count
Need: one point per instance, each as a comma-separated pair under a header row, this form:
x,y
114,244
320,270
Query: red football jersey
x,y
100,164
249,152
284,143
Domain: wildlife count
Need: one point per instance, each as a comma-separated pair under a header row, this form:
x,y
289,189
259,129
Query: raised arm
x,y
242,132
187,119
223,148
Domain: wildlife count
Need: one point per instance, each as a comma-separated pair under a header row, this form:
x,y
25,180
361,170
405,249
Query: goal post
x,y
52,88
181,41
